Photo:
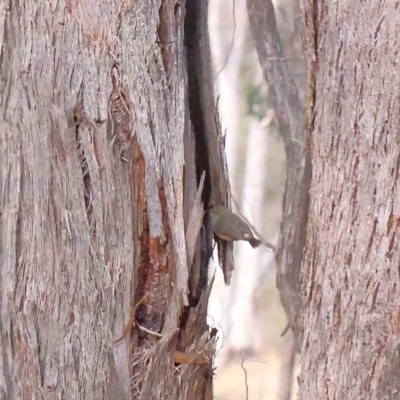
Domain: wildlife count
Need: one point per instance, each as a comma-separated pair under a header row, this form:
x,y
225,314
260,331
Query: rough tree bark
x,y
352,315
107,124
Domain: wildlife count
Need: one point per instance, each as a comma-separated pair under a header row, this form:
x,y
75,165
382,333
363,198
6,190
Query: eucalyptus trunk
x,y
351,269
108,124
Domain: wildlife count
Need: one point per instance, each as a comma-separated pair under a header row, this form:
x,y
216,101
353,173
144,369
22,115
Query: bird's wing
x,y
228,228
243,228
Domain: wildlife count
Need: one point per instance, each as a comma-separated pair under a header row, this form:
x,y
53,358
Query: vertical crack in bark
x,y
204,118
199,282
196,110
158,252
151,271
158,279
120,116
141,246
87,186
19,262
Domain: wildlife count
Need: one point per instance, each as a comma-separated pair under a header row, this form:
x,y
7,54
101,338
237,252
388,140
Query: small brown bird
x,y
229,227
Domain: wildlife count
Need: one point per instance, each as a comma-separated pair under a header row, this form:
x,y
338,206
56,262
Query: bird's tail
x,y
254,242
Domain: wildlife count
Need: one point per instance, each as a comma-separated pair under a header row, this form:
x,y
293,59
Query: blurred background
x,y
248,314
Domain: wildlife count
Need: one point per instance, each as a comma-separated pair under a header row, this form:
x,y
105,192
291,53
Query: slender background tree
x,y
249,311
290,115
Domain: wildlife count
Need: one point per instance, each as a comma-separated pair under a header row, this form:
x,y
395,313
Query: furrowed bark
x,y
351,320
98,184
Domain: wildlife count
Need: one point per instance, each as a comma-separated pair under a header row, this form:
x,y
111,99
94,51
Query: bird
x,y
230,227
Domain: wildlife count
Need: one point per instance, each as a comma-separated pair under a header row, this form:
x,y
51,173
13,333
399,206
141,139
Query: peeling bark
x,y
210,148
351,271
100,206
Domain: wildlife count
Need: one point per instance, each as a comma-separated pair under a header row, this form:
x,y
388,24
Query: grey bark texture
x,y
351,271
289,111
102,127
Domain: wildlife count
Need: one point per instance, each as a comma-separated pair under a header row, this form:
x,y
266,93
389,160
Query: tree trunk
x,y
105,133
289,111
352,320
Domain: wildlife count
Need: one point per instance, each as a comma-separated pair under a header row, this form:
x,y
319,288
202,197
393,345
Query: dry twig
x,y
131,319
245,376
232,40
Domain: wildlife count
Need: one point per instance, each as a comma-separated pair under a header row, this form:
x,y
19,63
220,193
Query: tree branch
x,y
245,376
